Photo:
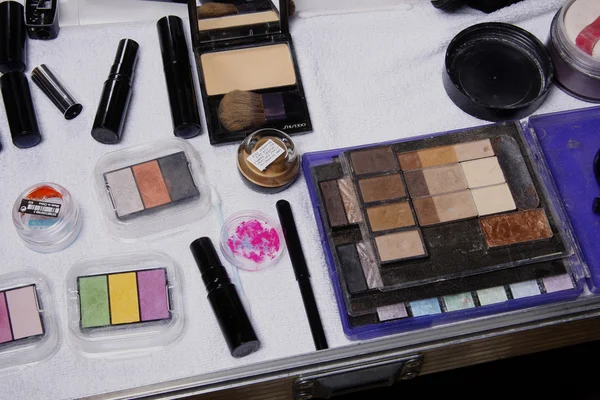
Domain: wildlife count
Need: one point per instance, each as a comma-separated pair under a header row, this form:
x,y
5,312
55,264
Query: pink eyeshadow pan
x,y
5,331
153,294
24,315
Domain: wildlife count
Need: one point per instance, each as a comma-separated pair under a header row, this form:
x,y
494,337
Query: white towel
x,y
368,77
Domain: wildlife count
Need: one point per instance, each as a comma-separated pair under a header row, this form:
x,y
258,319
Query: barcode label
x,y
40,208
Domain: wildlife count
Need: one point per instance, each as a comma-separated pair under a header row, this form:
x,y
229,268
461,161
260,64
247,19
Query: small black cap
x,y
205,254
19,110
13,53
125,59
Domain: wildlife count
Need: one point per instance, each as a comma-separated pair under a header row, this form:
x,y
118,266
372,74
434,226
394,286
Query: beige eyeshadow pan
x,y
493,199
445,155
252,68
483,172
445,208
237,20
436,180
400,245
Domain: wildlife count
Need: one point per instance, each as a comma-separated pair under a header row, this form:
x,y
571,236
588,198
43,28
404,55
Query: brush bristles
x,y
240,110
215,10
291,7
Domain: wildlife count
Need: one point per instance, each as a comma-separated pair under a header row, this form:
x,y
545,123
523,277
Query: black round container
x,y
497,72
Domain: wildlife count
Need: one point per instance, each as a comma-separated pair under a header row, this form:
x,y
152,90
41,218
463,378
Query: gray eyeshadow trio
x,y
437,216
149,186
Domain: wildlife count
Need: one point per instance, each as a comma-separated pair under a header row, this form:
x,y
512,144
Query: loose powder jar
x,y
575,51
268,161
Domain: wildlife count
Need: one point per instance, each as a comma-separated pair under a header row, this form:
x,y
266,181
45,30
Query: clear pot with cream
x,y
268,161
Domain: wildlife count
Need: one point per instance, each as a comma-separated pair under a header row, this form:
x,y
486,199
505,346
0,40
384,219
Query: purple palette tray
x,y
462,306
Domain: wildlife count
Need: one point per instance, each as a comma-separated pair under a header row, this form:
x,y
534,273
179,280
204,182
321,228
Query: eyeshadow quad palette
x,y
249,76
151,188
28,331
124,304
433,217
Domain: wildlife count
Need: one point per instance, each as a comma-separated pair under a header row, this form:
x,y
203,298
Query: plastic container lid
x,y
28,328
150,189
46,217
497,72
125,305
251,240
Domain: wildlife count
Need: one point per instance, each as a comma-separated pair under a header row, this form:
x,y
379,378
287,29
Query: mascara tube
x,y
224,300
116,95
178,74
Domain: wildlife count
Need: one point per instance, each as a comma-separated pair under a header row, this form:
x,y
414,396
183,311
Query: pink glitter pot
x,y
252,241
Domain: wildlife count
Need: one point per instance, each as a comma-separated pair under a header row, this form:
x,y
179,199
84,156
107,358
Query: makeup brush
x,y
240,110
215,10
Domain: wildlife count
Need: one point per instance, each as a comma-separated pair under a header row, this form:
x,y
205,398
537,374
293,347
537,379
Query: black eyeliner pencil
x,y
301,271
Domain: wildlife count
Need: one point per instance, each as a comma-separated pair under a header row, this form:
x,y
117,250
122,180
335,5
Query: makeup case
x,y
375,298
248,48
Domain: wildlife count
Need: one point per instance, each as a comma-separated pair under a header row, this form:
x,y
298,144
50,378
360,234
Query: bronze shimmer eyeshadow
x,y
150,185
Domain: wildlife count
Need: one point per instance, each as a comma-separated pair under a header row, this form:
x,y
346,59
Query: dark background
x,y
568,373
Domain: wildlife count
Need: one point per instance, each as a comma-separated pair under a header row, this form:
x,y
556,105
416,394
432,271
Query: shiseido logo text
x,y
293,126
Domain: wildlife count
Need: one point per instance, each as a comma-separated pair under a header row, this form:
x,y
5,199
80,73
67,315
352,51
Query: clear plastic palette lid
x,y
28,331
151,189
124,306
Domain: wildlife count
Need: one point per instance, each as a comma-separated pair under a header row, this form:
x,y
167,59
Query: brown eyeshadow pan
x,y
151,184
518,227
333,203
377,160
390,216
379,188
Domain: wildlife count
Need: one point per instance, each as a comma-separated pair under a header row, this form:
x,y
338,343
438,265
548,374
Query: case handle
x,y
368,375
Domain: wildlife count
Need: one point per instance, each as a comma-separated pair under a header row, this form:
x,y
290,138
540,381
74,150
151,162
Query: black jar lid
x,y
497,71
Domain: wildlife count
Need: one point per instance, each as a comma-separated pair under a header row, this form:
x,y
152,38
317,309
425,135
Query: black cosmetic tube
x,y
178,74
13,50
114,103
224,300
19,110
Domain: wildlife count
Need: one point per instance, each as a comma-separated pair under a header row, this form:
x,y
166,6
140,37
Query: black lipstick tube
x,y
20,113
178,74
224,300
114,103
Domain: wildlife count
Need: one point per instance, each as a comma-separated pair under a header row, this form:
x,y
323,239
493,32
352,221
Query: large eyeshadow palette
x,y
148,186
20,317
436,216
132,297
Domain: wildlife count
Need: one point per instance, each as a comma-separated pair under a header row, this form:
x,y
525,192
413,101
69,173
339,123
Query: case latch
x,y
364,376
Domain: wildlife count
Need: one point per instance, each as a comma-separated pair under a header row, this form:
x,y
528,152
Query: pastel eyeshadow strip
x,y
134,297
467,300
19,314
151,184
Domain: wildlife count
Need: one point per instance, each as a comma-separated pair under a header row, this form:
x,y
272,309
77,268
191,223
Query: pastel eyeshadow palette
x,y
20,317
392,318
123,298
146,187
412,217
